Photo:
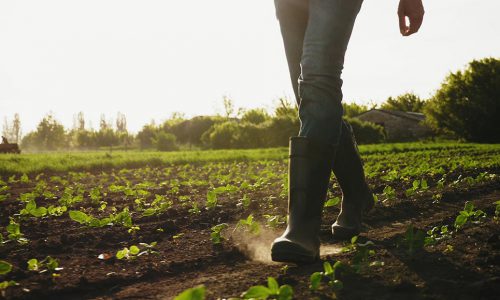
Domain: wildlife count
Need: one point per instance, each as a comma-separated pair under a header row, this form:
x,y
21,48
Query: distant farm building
x,y
398,125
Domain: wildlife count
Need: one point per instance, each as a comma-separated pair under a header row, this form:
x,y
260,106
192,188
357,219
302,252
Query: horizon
x,y
145,60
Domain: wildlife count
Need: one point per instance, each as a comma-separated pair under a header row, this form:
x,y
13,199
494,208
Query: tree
x,y
12,131
121,123
406,102
353,109
49,135
285,108
255,116
165,141
79,121
468,102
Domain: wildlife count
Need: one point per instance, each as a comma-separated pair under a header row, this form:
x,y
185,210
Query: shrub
x,y
366,132
165,141
468,102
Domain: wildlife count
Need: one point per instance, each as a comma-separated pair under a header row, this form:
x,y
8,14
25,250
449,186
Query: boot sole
x,y
291,253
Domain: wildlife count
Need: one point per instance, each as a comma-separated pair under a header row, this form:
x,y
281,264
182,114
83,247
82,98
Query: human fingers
x,y
403,28
415,24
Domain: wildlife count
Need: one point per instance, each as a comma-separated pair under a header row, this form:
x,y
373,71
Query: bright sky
x,y
148,59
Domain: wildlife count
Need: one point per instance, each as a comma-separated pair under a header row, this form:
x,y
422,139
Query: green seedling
x,y
274,221
215,235
332,202
48,264
5,267
14,232
497,209
329,273
273,290
148,248
417,186
194,209
436,234
362,253
128,253
249,224
32,209
56,211
469,213
5,284
413,239
245,201
24,179
389,193
196,293
211,199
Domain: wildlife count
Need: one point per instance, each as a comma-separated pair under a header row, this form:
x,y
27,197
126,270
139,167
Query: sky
x,y
148,59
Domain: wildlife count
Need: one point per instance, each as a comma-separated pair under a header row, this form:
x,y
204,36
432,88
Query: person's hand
x,y
414,10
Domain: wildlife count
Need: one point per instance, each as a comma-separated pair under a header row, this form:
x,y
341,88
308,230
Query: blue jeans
x,y
316,34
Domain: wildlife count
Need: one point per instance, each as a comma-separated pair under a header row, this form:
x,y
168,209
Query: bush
x,y
222,135
165,141
366,132
468,102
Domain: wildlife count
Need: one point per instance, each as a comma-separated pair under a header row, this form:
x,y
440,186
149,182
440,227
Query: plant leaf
x,y
257,292
5,267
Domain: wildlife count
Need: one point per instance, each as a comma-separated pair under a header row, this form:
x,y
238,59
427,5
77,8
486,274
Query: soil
x,y
187,258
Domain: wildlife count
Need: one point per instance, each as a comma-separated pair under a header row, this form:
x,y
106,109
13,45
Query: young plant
x,y
469,213
196,293
5,267
215,235
48,264
332,202
249,224
211,199
362,253
148,248
497,209
14,230
273,290
329,274
32,209
437,234
128,253
389,193
413,239
274,221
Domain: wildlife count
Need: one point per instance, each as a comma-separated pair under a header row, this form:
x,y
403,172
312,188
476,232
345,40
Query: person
x,y
4,140
315,36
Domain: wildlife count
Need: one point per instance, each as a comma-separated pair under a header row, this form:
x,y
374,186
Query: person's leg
x,y
356,194
328,32
320,111
293,16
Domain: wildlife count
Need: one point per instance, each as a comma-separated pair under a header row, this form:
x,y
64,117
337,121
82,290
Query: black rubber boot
x,y
357,198
309,173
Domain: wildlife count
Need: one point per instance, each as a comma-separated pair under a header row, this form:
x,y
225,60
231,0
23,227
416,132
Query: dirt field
x,y
464,266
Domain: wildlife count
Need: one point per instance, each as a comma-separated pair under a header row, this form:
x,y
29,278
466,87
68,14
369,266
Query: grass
x,y
55,162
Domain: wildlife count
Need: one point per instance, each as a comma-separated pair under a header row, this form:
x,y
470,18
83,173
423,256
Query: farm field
x,y
149,225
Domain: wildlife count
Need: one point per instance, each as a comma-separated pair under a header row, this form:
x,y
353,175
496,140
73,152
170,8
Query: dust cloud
x,y
258,247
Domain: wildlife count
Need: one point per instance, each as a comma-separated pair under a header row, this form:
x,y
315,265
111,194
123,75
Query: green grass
x,y
34,163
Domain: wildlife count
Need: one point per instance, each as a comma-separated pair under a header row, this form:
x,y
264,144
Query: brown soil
x,y
470,271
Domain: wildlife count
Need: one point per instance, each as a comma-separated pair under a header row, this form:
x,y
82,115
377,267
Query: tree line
x,y
464,107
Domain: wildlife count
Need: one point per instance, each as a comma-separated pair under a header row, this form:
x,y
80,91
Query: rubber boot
x,y
309,173
357,198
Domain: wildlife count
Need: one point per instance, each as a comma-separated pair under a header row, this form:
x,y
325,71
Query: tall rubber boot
x,y
357,198
309,173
